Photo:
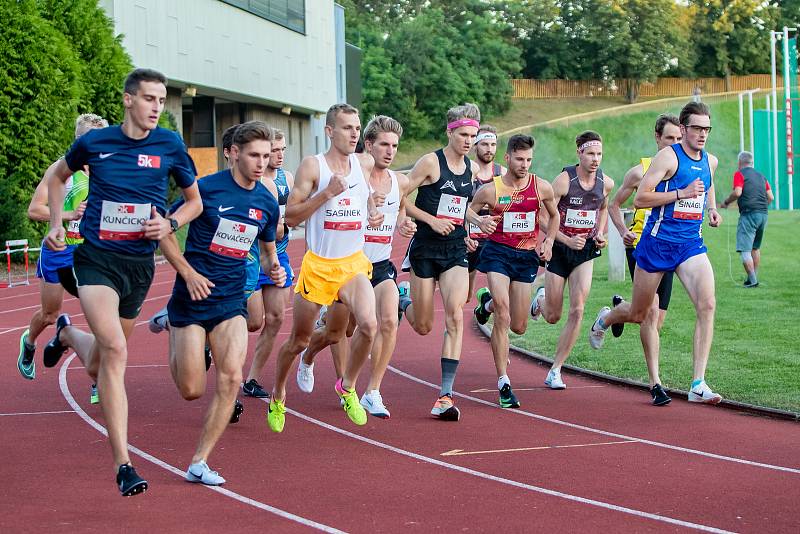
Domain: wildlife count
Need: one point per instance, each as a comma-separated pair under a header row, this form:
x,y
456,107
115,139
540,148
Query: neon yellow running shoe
x,y
352,407
276,415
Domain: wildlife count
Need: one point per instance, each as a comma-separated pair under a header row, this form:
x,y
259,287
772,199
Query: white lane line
x,y
62,381
604,432
493,478
534,388
36,413
462,452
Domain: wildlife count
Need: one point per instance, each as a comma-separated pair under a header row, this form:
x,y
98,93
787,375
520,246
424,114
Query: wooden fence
x,y
530,89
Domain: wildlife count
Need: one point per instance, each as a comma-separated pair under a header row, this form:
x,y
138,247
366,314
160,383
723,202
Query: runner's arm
x,y
270,263
484,197
406,226
547,198
602,219
560,188
55,177
302,201
714,218
663,167
273,189
630,182
422,174
198,285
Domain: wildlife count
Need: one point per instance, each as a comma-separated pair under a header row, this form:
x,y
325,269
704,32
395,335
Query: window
x,y
288,13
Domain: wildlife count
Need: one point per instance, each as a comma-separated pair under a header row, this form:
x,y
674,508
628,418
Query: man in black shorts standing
x,y
130,167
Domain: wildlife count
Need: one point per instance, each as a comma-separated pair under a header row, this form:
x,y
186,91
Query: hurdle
x,y
18,243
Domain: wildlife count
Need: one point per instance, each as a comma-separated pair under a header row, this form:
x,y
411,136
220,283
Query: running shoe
x,y
507,397
305,375
660,397
25,361
352,407
617,328
536,305
94,398
702,393
748,283
553,380
320,322
238,408
373,403
252,388
482,296
596,333
445,410
200,473
403,290
207,355
276,415
159,321
129,482
54,349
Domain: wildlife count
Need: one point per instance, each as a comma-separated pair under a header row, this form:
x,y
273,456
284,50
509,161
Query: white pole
x,y
752,136
789,132
769,139
775,178
741,124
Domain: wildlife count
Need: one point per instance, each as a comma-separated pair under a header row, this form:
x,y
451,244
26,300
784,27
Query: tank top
x,y
474,230
77,189
378,241
336,229
682,220
519,209
447,198
579,208
283,194
754,191
640,215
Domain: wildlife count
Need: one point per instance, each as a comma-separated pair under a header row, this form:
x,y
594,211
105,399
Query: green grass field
x,y
755,357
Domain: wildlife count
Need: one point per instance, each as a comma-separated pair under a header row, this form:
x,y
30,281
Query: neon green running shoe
x,y
94,398
25,362
483,296
352,407
276,415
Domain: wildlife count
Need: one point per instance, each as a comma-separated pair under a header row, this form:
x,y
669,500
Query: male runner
x,y
438,252
51,267
207,297
510,258
667,133
677,187
381,138
130,167
485,148
581,192
273,298
331,193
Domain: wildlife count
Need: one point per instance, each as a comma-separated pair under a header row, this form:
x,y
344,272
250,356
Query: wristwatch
x,y
173,225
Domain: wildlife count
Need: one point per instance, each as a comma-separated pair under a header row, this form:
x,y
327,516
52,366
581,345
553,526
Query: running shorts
x,y
518,265
429,259
565,260
320,279
50,261
473,258
382,271
185,312
658,255
129,275
264,280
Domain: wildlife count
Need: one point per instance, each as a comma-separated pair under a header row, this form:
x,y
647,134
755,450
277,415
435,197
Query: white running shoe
x,y
373,403
158,322
703,393
201,473
305,376
320,322
554,381
597,335
536,305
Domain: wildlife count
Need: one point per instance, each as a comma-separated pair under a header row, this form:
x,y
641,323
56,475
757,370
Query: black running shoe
x,y
507,397
481,315
252,388
748,283
238,408
129,482
660,397
54,349
207,353
617,328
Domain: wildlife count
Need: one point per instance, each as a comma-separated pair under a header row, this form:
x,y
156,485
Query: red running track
x,y
593,456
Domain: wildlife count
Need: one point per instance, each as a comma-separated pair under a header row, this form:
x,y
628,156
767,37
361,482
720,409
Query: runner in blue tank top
x,y
678,187
207,297
130,167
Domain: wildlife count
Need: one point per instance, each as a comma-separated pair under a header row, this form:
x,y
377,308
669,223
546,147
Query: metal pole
x,y
752,136
741,124
774,130
769,140
789,132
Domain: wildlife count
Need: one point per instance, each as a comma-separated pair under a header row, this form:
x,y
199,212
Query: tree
x,y
39,95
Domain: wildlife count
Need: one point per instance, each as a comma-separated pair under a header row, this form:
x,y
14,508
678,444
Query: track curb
x,y
729,404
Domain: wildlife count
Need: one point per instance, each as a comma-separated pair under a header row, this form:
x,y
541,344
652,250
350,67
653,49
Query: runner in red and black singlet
x,y
509,260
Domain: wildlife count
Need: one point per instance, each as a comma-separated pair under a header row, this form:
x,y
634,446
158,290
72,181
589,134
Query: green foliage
x,y
39,95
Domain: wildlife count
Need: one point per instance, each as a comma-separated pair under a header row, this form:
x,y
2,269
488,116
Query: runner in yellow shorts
x,y
321,278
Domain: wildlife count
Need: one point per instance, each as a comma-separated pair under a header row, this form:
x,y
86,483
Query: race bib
x,y
233,239
384,233
475,232
519,223
580,219
123,222
452,208
73,229
343,214
690,209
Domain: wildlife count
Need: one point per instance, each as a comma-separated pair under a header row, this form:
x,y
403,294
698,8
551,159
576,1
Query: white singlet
x,y
378,241
337,228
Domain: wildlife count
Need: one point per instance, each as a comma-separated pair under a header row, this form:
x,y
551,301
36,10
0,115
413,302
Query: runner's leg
x,y
580,282
420,312
697,277
383,347
52,295
274,301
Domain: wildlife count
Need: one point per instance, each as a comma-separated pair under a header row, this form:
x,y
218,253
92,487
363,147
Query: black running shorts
x,y
382,271
429,259
564,259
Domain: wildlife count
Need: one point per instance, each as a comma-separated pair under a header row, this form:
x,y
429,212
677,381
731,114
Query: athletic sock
x,y
449,367
696,383
751,277
502,381
488,306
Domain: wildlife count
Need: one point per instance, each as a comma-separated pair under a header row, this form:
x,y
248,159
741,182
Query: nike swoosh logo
x,y
466,184
352,186
223,210
304,287
390,203
107,155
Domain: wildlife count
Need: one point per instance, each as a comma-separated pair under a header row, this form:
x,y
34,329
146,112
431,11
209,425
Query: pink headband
x,y
463,122
587,144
